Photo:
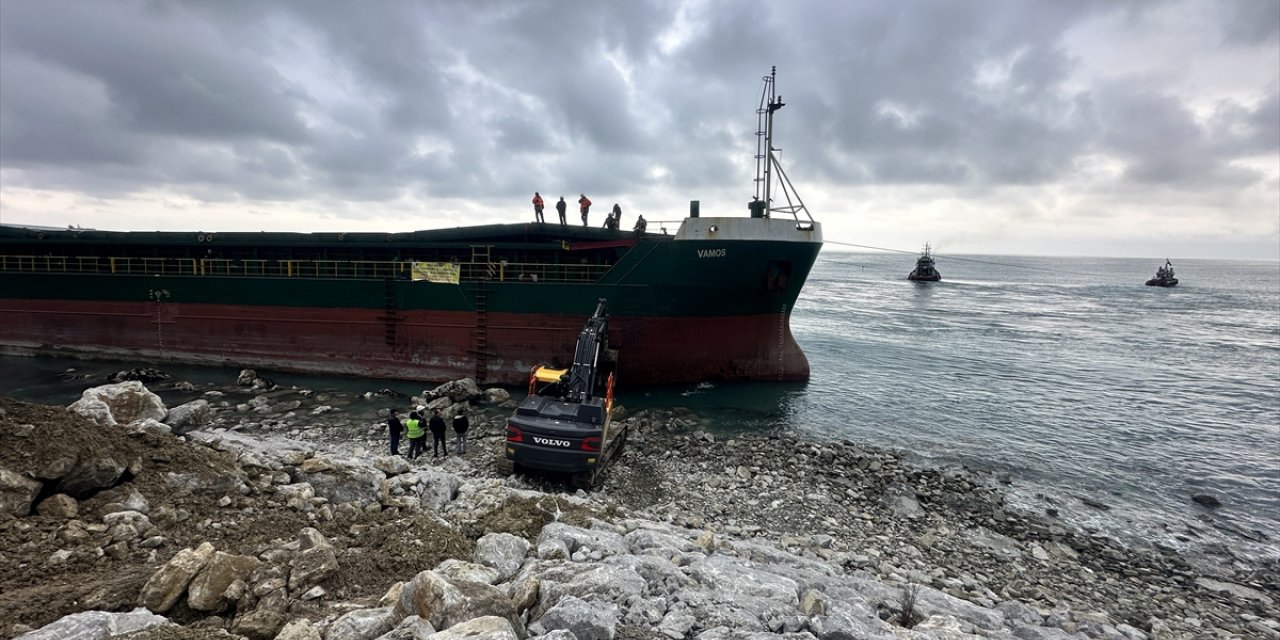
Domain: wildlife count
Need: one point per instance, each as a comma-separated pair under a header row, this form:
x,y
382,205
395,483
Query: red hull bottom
x,y
416,345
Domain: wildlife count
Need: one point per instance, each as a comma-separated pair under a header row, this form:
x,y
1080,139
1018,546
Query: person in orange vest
x,y
537,207
584,205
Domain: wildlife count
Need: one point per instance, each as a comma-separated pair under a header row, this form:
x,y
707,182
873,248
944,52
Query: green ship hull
x,y
710,302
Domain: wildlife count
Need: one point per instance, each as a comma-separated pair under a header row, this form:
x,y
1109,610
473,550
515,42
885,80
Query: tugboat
x,y
924,271
1164,276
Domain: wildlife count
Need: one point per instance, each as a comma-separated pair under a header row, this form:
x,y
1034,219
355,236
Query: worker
x,y
640,225
537,207
584,206
417,437
460,425
560,207
438,446
394,427
617,216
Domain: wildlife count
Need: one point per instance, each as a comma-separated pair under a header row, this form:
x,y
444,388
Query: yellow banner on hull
x,y
441,272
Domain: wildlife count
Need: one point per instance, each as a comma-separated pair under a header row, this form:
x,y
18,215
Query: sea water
x,y
1067,375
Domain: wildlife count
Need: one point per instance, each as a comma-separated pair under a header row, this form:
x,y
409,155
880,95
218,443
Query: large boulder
x,y
221,582
189,416
17,493
259,624
58,505
464,390
128,401
96,625
91,475
361,624
167,585
560,541
594,582
299,629
502,551
415,628
482,628
586,620
445,604
340,479
93,411
455,570
496,395
314,565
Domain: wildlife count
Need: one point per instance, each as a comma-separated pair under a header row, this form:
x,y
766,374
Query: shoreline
x,y
863,512
1085,503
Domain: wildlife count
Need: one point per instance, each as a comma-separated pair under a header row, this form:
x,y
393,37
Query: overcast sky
x,y
1144,128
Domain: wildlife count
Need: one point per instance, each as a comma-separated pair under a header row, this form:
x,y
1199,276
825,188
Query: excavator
x,y
564,425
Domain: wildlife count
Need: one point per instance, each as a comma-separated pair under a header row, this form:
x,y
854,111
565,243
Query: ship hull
x,y
711,303
427,345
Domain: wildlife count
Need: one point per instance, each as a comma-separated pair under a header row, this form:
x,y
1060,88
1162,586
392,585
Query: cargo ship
x,y
711,300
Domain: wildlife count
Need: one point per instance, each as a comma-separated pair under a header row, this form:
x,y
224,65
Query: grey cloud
x,y
492,100
49,115
1250,21
1162,142
162,72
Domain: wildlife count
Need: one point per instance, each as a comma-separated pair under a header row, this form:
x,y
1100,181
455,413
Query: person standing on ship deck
x,y
640,225
617,216
394,427
537,207
560,207
584,205
417,437
438,445
460,425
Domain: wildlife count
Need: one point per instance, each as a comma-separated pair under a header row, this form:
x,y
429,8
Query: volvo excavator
x,y
565,425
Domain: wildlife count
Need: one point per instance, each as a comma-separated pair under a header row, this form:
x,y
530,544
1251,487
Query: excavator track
x,y
589,479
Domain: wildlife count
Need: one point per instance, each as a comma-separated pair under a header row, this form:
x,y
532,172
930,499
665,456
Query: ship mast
x,y
767,162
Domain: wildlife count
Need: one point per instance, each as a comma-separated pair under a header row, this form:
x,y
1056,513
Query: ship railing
x,y
531,272
495,271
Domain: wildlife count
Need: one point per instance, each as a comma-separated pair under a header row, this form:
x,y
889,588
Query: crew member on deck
x,y
537,207
560,207
584,206
640,225
617,216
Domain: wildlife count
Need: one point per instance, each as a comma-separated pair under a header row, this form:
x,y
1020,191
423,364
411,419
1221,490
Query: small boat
x,y
1164,276
925,271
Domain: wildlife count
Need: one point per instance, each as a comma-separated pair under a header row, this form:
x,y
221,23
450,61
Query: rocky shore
x,y
263,512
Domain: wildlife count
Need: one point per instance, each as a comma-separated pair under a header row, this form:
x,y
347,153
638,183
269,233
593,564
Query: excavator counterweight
x,y
564,424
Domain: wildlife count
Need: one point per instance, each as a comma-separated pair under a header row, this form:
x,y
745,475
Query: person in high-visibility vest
x,y
417,435
537,207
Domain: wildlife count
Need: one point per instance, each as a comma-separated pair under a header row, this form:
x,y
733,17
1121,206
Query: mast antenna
x,y
767,164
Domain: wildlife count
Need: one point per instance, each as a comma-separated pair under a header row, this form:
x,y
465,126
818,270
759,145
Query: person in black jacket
x,y
394,427
438,445
460,426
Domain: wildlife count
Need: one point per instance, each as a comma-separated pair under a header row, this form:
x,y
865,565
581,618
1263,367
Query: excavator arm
x,y
593,340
